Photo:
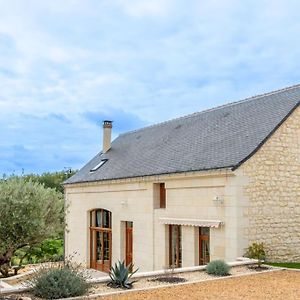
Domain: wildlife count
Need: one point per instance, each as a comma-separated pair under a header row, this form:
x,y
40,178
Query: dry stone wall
x,y
273,192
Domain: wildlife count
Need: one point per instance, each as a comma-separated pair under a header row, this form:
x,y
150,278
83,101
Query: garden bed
x,y
171,279
165,279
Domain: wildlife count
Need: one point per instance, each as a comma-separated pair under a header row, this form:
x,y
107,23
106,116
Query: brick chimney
x,y
107,126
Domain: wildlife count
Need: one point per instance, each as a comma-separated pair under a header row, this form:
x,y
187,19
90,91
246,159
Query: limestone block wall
x,y
273,192
192,198
128,201
188,196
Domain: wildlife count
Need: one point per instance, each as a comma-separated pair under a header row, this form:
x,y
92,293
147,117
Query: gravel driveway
x,y
281,285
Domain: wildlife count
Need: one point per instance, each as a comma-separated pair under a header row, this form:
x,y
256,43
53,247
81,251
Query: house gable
x,y
273,192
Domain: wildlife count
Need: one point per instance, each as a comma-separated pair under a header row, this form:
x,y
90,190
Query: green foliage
x,y
257,251
48,250
51,248
59,281
218,268
29,214
52,180
120,275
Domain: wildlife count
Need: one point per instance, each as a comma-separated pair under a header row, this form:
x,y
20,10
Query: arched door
x,y
100,239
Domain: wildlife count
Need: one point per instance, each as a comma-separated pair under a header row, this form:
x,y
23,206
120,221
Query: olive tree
x,y
29,214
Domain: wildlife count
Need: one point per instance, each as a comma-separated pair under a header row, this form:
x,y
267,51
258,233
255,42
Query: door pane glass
x,y
93,245
179,246
99,218
106,219
205,252
204,230
204,248
175,246
106,236
99,248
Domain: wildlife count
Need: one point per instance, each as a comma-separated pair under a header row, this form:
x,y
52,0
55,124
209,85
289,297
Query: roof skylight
x,y
101,163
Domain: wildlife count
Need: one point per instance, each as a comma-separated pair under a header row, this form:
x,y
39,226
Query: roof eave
x,y
228,168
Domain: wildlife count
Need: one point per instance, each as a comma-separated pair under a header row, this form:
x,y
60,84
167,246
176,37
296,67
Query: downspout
x,y
153,230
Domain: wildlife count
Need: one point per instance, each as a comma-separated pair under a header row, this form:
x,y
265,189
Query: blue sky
x,y
67,65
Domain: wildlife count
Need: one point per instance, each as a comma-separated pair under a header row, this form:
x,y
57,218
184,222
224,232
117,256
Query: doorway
x,y
204,248
100,240
128,243
175,249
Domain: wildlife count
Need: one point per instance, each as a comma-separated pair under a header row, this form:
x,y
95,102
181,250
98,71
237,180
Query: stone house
x,y
193,189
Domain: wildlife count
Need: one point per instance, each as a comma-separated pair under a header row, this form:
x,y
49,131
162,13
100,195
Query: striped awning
x,y
191,222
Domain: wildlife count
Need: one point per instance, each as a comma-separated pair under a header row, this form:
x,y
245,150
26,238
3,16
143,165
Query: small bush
x,y
59,281
218,268
257,251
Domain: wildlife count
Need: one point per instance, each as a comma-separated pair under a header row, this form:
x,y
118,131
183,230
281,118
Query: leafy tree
x,y
52,180
29,214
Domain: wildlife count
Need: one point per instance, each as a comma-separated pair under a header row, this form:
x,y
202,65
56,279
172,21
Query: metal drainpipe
x,y
153,229
65,219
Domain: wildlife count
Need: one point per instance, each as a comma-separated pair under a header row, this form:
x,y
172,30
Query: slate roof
x,y
222,137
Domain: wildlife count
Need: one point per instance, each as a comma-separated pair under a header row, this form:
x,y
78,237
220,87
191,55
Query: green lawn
x,y
295,265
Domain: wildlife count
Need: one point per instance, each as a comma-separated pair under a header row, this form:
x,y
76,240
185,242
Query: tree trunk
x,y
4,270
5,261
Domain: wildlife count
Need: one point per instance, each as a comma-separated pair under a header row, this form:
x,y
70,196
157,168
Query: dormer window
x,y
100,164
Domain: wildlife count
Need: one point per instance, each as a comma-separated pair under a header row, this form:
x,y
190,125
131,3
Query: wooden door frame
x,y
93,241
93,249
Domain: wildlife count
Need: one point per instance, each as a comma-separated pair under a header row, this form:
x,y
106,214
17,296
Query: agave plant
x,y
120,275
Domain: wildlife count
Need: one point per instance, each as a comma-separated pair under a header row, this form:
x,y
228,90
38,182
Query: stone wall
x,y
273,192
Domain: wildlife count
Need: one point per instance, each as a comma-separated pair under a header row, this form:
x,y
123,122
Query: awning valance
x,y
191,222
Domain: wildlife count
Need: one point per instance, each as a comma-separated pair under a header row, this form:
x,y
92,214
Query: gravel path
x,y
188,276
270,285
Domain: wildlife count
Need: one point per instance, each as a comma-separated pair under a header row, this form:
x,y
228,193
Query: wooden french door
x,y
100,240
204,248
128,243
175,250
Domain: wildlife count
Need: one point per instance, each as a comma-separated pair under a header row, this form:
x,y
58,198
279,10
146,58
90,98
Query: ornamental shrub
x,y
257,251
218,268
59,281
120,275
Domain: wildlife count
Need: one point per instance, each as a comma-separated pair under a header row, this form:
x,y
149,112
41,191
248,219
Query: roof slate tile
x,y
221,137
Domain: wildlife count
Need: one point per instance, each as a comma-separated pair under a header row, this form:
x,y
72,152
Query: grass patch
x,y
294,265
